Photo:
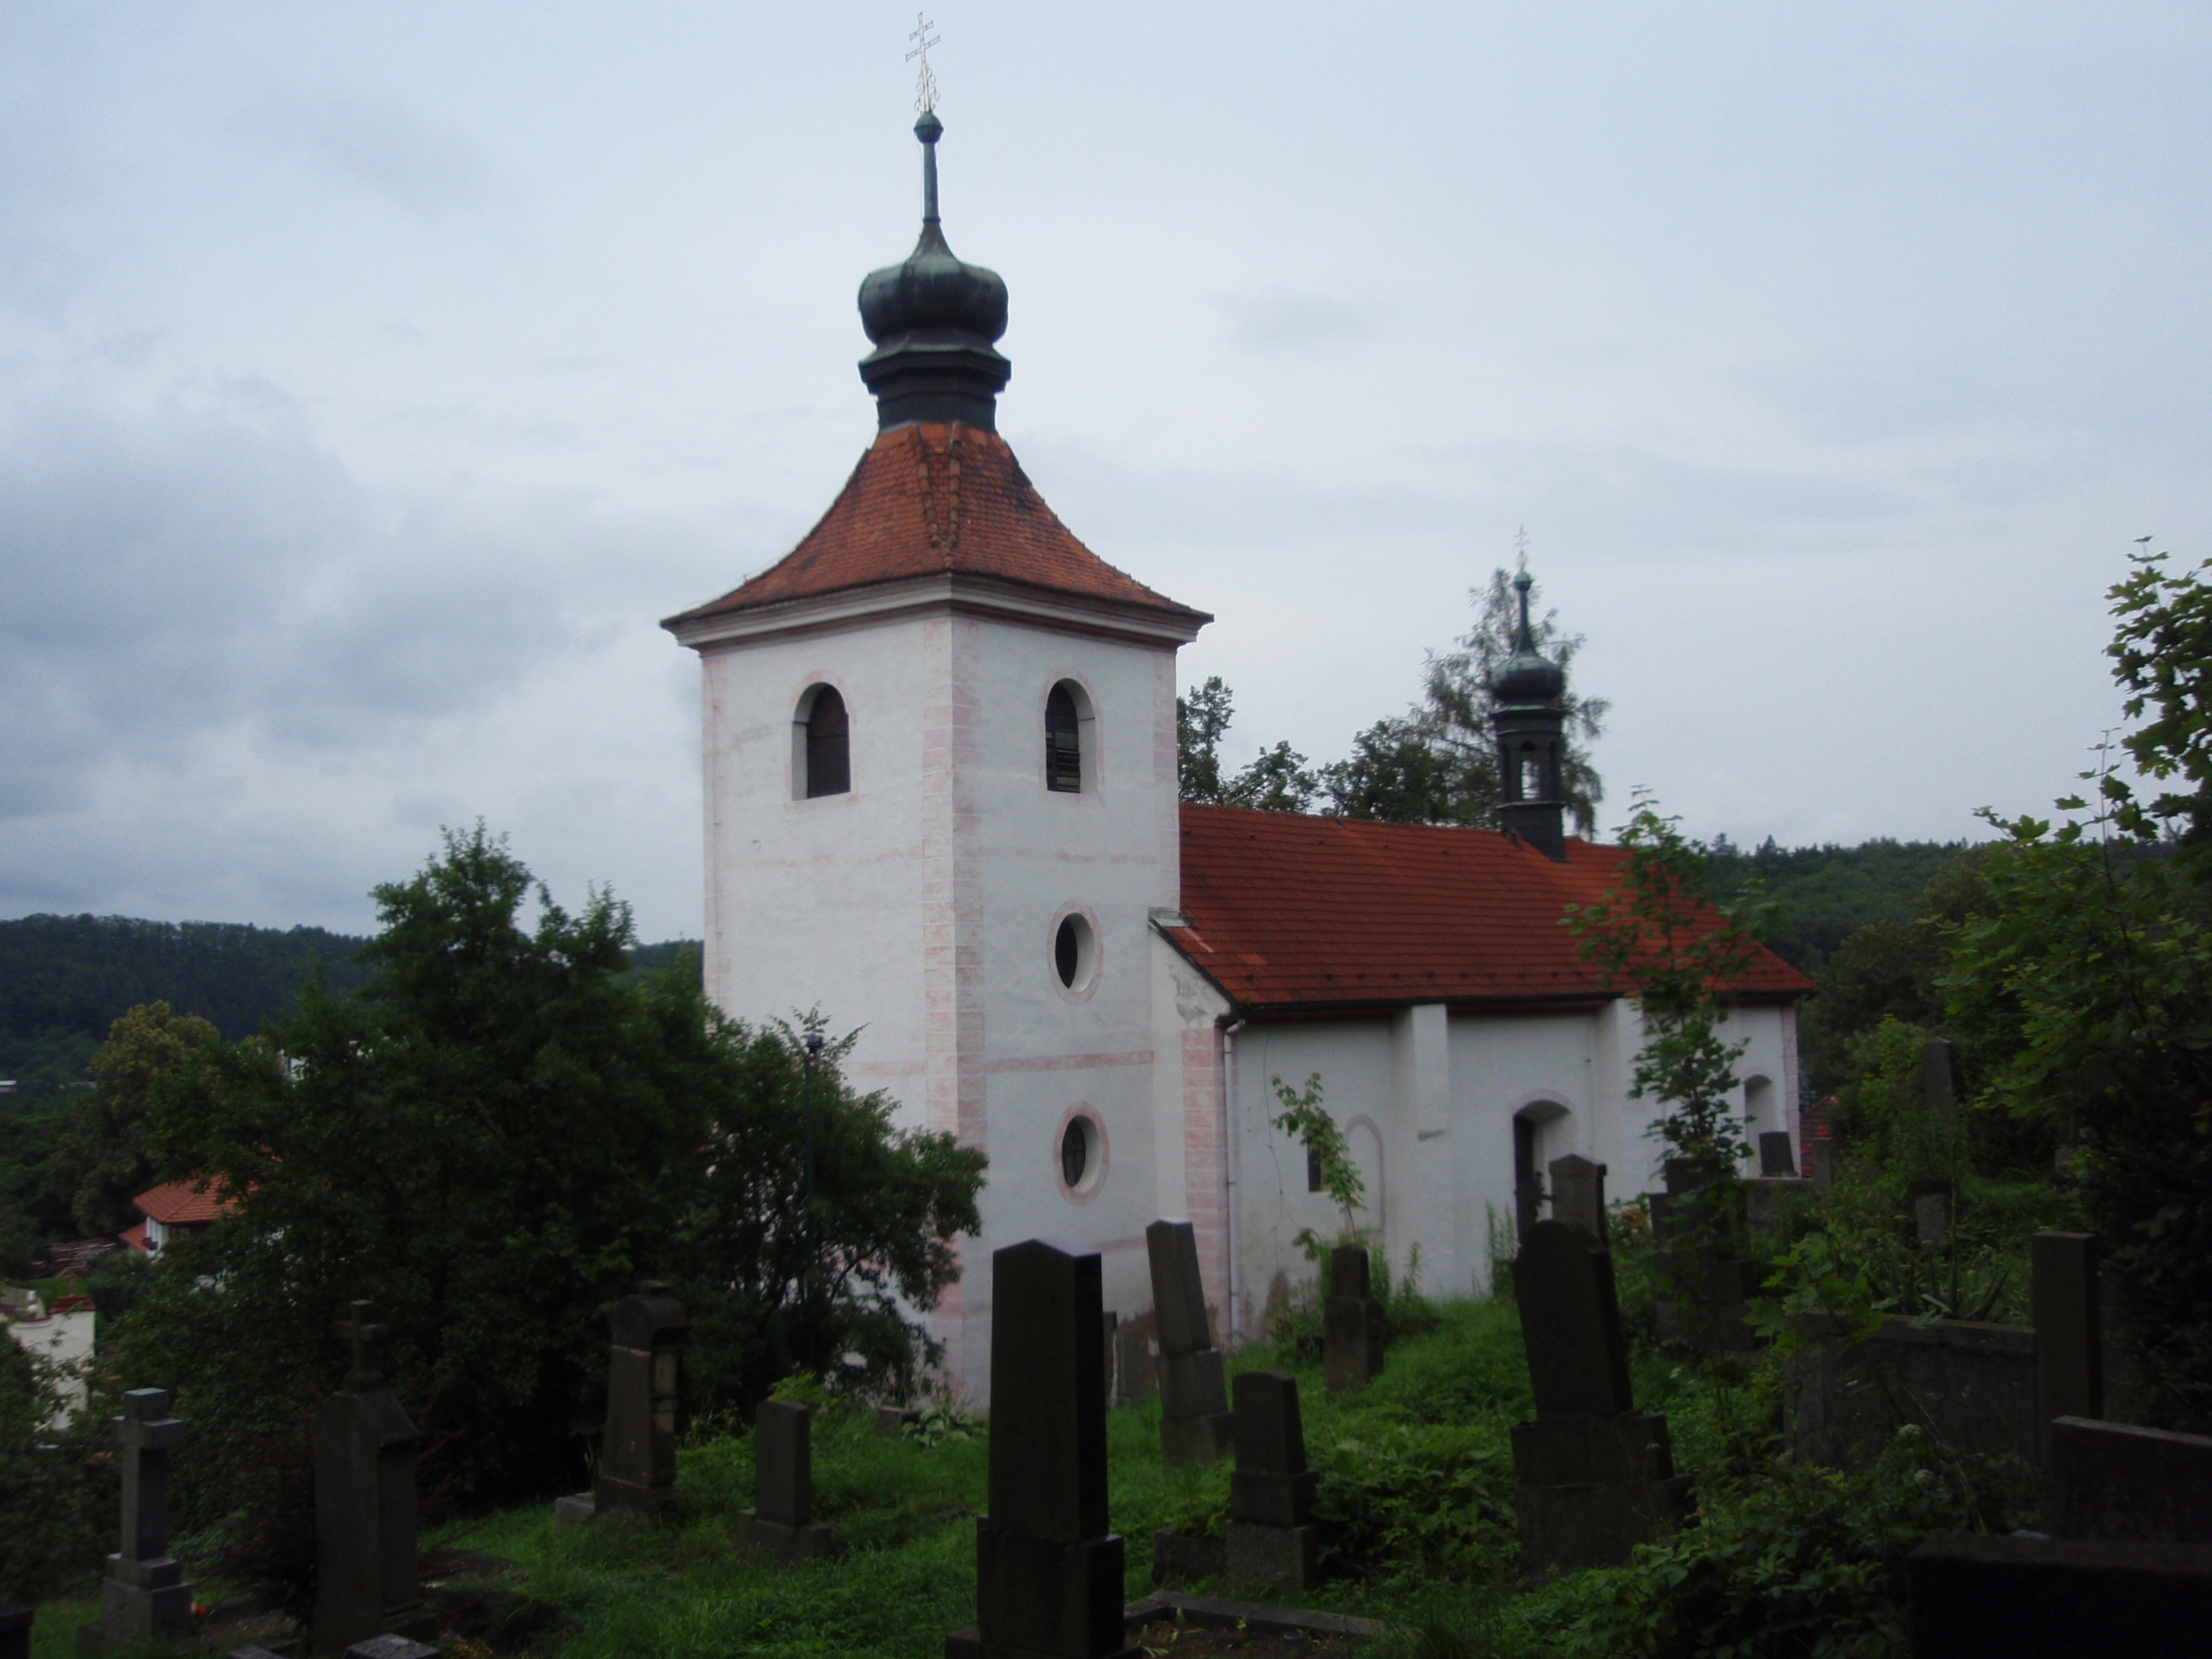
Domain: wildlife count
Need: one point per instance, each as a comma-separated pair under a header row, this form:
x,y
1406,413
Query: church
x,y
941,804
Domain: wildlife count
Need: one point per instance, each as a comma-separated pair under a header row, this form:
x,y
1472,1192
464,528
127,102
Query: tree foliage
x,y
1655,932
1306,1121
103,1159
2087,986
494,1140
1436,763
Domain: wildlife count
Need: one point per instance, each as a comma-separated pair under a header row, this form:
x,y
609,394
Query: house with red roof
x,y
941,804
174,1208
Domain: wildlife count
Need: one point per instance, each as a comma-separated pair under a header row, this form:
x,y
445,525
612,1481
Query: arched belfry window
x,y
821,749
1067,739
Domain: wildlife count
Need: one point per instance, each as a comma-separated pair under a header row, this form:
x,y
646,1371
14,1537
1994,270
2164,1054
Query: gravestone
x,y
1272,1543
2027,1597
2117,1480
15,1630
892,1421
1594,1476
367,1581
1578,1194
1821,1156
637,1456
1931,1212
142,1594
2063,1303
1704,1287
1351,1327
1194,1398
1048,1572
1774,1156
780,1522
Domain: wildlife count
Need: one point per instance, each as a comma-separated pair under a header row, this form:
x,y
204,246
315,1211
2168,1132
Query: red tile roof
x,y
933,499
1288,912
184,1203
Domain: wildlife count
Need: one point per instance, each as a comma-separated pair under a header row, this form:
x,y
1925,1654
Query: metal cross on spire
x,y
925,88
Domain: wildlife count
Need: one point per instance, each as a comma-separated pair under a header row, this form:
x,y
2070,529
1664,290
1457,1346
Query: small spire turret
x,y
1530,719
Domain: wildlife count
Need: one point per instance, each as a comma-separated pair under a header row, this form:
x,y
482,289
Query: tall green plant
x,y
1304,1118
1655,933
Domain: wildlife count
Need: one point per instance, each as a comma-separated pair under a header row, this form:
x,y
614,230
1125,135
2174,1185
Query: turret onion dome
x,y
933,319
1527,676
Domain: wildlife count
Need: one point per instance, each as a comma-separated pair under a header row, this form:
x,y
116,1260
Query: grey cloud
x,y
427,168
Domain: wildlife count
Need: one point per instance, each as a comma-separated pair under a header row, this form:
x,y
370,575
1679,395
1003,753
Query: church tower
x,y
941,795
1530,721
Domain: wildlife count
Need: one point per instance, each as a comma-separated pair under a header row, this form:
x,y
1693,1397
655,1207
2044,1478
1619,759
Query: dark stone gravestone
x,y
637,1455
367,1581
1194,1398
893,1421
2062,1304
1931,1212
1594,1476
1774,1155
15,1630
1705,1286
142,1594
1351,1328
1273,1543
1821,1156
780,1522
1764,1200
1133,1365
1972,1595
1048,1572
2117,1481
1578,1194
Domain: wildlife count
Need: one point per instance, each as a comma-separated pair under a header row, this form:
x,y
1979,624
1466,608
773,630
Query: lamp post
x,y
812,1043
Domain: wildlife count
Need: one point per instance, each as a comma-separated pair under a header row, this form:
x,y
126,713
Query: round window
x,y
1074,952
1082,1155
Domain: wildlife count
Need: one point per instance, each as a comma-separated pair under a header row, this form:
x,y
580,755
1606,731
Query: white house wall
x,y
1441,1091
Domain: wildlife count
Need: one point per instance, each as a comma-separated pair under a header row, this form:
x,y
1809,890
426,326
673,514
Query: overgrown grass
x,y
1417,1491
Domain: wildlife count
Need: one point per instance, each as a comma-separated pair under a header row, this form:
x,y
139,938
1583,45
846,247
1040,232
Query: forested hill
x,y
1828,893
64,980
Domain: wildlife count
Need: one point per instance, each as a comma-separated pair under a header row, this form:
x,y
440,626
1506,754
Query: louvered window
x,y
1063,742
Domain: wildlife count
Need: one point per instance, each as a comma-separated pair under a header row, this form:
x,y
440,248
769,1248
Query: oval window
x,y
1074,952
1074,1153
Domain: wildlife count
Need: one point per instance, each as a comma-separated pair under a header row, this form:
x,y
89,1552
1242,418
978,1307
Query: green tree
x,y
1655,932
1277,780
1437,763
105,1157
1305,1119
491,1142
2087,986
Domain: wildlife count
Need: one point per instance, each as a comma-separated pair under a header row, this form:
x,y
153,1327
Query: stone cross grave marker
x,y
1352,1330
1273,1543
1774,1154
142,1594
367,1578
1578,1194
1048,1572
1194,1398
780,1522
637,1454
1595,1477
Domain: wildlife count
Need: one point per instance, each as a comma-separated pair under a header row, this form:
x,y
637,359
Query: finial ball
x,y
929,128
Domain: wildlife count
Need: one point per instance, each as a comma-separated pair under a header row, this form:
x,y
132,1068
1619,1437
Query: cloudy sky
x,y
374,378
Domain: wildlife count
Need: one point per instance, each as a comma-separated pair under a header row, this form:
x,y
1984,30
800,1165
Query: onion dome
x,y
1527,676
933,320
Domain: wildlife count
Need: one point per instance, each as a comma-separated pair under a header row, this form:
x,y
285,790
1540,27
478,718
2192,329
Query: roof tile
x,y
934,499
1288,911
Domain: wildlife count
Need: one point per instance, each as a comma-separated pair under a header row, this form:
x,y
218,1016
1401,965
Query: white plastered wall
x,y
921,906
